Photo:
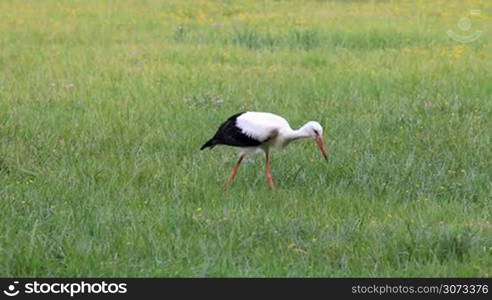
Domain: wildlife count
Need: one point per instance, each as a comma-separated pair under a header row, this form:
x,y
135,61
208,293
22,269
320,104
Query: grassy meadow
x,y
104,105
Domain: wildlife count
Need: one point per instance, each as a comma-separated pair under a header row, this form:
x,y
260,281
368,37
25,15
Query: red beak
x,y
319,141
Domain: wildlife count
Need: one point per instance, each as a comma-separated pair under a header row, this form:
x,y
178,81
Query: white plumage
x,y
261,125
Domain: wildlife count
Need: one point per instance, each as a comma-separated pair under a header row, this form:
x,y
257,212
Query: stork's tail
x,y
211,143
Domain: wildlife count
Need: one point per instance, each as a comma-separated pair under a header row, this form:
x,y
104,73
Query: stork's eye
x,y
316,132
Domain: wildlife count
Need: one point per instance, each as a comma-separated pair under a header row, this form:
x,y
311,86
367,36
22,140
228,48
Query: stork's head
x,y
315,130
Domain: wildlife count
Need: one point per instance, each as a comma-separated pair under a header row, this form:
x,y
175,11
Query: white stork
x,y
252,131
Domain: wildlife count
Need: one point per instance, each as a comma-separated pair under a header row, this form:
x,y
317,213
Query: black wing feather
x,y
229,134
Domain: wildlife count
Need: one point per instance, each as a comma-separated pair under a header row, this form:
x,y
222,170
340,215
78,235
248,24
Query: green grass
x,y
103,107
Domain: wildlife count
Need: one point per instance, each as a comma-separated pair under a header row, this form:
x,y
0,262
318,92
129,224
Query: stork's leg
x,y
233,173
268,174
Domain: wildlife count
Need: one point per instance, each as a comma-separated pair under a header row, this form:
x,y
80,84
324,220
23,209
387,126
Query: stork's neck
x,y
300,133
